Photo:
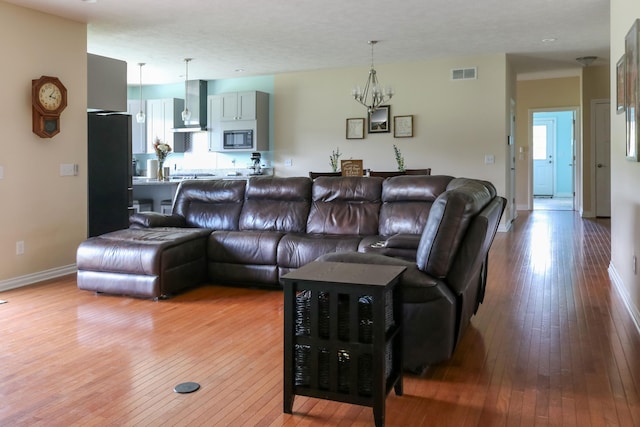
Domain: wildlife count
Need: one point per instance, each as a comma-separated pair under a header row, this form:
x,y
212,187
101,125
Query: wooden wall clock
x,y
48,100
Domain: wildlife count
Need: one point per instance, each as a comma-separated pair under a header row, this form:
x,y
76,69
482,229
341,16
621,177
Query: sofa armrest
x,y
403,241
155,219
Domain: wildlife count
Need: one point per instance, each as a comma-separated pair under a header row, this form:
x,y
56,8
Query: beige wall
x,y
455,122
625,175
41,208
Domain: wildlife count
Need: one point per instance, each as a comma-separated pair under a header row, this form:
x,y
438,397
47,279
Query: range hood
x,y
197,98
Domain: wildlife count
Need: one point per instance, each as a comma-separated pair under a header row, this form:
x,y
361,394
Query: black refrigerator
x,y
110,198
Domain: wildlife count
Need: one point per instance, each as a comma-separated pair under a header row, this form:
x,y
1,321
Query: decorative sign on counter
x,y
351,167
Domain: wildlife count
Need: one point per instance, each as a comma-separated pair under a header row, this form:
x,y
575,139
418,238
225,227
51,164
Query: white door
x,y
543,151
602,140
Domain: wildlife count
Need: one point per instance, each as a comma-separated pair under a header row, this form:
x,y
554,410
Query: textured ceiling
x,y
265,37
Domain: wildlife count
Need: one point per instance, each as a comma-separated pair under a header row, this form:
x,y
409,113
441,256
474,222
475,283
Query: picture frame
x,y
351,167
403,126
355,128
620,89
632,86
379,119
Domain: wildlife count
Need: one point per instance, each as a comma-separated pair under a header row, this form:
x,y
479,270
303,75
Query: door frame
x,y
577,155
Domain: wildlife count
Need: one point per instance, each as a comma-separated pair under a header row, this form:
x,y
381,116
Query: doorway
x,y
553,156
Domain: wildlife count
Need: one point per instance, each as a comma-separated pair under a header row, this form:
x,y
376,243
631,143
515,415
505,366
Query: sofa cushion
x,y
345,205
214,204
296,250
243,247
278,204
406,202
143,262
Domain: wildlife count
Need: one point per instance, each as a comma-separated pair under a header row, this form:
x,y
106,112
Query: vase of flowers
x,y
162,150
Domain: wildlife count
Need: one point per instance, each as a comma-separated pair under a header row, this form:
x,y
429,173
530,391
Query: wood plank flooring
x,y
551,345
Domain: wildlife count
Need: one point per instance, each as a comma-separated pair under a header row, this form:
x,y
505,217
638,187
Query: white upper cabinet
x,y
138,130
163,115
238,106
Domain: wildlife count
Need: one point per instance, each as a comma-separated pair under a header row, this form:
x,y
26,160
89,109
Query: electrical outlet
x,y
288,162
20,247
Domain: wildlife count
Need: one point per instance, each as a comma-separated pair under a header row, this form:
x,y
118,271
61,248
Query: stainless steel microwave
x,y
237,139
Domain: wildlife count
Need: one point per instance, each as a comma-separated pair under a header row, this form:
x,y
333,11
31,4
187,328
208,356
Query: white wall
x,y
625,175
46,211
455,122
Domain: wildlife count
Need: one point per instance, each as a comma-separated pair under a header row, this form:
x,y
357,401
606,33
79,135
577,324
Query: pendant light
x,y
140,117
186,114
373,95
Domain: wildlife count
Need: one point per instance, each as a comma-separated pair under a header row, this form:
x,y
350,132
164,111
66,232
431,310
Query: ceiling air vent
x,y
464,73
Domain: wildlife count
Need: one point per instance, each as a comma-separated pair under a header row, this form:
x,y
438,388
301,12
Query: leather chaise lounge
x,y
251,233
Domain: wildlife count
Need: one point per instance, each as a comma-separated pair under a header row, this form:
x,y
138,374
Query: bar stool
x,y
165,206
142,205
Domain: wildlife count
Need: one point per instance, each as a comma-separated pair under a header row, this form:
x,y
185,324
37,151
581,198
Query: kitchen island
x,y
158,191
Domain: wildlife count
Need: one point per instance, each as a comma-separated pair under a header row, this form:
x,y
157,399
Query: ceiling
x,y
266,37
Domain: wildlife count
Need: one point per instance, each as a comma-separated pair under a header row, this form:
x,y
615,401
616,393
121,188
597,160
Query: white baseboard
x,y
40,276
626,298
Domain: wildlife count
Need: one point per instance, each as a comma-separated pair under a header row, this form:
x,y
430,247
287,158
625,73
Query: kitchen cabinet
x,y
163,115
238,111
138,130
239,105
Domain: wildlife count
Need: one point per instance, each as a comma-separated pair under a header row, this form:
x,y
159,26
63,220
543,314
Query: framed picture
x,y
379,120
631,85
620,85
355,128
351,167
402,126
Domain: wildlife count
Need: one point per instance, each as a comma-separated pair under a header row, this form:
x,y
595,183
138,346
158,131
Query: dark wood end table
x,y
343,334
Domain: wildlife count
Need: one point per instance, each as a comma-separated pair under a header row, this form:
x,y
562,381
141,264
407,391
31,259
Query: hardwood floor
x,y
551,345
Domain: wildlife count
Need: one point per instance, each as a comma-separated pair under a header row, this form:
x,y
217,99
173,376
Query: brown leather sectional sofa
x,y
249,233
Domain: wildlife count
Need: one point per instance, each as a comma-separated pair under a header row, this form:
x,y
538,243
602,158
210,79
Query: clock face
x,y
50,96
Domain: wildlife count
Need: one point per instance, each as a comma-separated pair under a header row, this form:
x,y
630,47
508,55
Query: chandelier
x,y
373,95
140,116
186,114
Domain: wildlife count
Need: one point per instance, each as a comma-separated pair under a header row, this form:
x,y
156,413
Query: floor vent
x,y
464,73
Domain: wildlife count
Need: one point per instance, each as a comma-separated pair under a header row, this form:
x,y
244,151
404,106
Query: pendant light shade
x,y
186,114
140,117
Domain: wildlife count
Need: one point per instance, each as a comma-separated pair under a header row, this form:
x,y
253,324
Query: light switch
x,y
68,169
1,172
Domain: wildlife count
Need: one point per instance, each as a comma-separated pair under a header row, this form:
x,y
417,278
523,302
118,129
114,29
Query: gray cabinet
x,y
239,105
163,115
239,111
138,130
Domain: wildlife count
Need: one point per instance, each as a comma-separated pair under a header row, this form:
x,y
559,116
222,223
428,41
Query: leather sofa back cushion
x,y
276,204
345,205
406,202
214,204
448,222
